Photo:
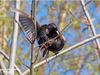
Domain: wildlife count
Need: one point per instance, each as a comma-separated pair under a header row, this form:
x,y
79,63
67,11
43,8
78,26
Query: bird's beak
x,y
57,32
61,35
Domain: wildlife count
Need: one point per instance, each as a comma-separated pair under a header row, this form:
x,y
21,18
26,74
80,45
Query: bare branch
x,y
62,52
7,57
92,28
3,67
33,13
15,35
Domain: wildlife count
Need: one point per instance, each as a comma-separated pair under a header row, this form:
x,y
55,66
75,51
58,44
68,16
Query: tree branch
x,y
3,67
7,57
33,13
63,51
92,28
15,35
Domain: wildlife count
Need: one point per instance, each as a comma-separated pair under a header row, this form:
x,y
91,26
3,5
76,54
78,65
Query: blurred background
x,y
79,61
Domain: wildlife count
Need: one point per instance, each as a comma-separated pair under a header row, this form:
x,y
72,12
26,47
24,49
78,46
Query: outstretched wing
x,y
27,25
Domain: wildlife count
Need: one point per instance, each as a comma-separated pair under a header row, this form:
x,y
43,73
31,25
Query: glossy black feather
x,y
48,32
44,33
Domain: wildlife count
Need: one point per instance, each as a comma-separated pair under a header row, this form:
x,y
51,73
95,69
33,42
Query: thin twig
x,y
33,9
64,51
71,13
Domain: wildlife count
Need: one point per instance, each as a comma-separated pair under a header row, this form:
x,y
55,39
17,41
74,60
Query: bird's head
x,y
53,30
53,27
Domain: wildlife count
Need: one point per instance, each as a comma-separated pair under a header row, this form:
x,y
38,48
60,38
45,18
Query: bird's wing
x,y
27,25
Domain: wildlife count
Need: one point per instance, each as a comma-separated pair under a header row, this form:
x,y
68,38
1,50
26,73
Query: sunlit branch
x,y
7,57
3,67
92,28
64,51
14,42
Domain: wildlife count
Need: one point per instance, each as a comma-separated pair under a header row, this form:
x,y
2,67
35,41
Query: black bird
x,y
48,32
48,35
